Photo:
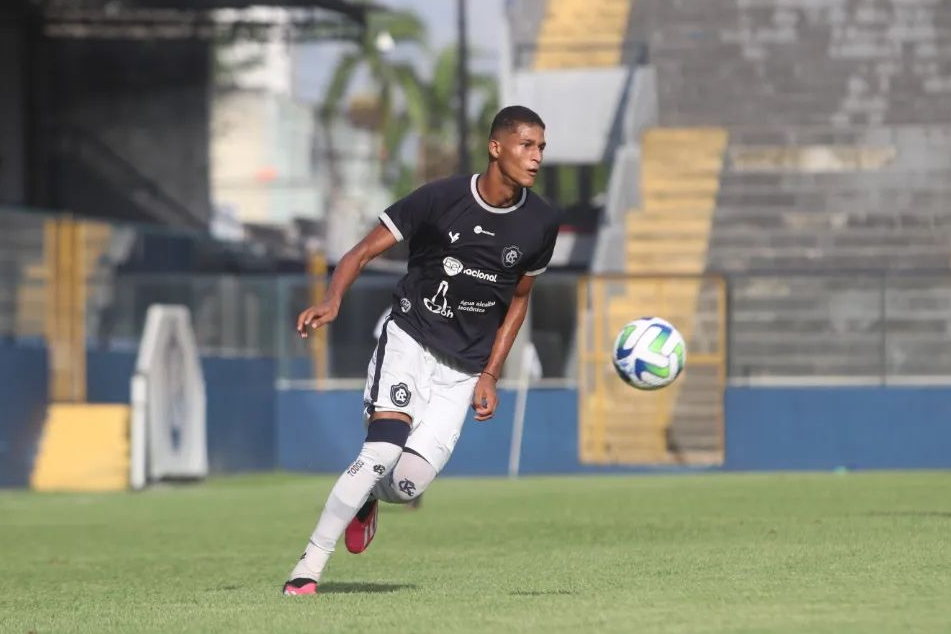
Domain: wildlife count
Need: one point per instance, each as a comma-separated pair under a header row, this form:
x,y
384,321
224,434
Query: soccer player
x,y
476,244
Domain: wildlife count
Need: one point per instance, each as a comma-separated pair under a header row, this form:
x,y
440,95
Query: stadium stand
x,y
800,151
838,161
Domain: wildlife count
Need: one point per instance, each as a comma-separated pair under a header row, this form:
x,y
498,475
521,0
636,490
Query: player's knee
x,y
383,446
390,430
411,476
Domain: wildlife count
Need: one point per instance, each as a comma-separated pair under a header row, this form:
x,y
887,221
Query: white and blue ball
x,y
649,353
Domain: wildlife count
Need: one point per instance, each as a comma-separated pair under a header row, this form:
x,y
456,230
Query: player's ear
x,y
495,148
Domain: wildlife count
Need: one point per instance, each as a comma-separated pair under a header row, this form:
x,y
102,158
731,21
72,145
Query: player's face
x,y
519,153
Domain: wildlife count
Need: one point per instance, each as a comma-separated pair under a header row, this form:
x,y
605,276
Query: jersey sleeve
x,y
404,217
538,264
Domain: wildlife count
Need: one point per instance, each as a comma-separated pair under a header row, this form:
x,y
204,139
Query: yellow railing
x,y
680,424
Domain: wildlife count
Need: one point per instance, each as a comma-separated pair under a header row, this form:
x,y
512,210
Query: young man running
x,y
476,244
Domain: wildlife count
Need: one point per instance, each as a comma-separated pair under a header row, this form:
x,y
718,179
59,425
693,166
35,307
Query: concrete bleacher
x,y
773,63
799,150
837,167
891,213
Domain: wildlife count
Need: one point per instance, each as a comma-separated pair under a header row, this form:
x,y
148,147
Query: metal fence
x,y
782,328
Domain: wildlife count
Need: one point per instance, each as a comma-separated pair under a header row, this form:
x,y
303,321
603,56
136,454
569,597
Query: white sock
x,y
352,489
409,478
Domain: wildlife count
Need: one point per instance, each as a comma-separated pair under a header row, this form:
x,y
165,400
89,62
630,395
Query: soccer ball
x,y
649,353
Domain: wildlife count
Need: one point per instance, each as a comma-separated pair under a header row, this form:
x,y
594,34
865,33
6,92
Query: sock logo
x,y
407,487
355,467
379,469
400,395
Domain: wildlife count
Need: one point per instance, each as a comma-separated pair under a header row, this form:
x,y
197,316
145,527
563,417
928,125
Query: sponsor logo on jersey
x,y
510,256
438,303
451,266
482,275
479,229
400,395
405,305
470,306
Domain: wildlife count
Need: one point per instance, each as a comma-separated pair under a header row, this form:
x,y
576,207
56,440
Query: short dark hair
x,y
510,117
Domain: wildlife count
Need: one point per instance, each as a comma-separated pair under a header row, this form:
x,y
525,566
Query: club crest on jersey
x,y
510,256
400,395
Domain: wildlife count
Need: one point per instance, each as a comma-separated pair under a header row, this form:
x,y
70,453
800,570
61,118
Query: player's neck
x,y
497,190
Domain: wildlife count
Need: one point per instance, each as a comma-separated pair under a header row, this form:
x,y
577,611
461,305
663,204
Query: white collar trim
x,y
487,206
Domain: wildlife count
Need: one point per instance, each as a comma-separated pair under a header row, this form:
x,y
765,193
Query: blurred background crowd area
x,y
772,176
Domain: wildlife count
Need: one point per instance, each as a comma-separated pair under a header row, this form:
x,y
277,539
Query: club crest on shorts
x,y
405,305
510,256
400,395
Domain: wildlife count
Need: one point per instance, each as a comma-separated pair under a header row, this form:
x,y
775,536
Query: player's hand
x,y
316,316
484,398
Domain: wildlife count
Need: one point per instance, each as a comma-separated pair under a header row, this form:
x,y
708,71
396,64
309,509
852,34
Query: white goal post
x,y
168,439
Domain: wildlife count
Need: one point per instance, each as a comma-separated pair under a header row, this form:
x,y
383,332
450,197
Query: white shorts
x,y
403,376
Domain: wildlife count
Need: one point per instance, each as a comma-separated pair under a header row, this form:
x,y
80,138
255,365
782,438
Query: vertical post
x,y
317,270
65,319
282,330
521,402
883,315
463,89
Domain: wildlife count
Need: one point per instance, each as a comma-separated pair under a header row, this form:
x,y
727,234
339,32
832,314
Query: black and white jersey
x,y
465,258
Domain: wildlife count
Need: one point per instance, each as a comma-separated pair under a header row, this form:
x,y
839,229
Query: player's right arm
x,y
348,268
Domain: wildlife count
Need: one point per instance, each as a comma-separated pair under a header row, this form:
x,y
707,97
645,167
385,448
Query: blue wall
x,y
323,431
240,416
241,403
23,393
251,426
829,428
766,429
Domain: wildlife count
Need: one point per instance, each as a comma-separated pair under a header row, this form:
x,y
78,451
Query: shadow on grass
x,y
362,588
539,593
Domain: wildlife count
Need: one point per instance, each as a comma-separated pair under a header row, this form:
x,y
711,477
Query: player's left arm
x,y
484,398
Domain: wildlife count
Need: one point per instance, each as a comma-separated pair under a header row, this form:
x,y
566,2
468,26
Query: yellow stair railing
x,y
665,253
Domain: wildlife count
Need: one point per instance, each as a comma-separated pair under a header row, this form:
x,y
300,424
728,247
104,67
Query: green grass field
x,y
868,552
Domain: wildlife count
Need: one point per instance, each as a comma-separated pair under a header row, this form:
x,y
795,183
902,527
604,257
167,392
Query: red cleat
x,y
362,528
298,587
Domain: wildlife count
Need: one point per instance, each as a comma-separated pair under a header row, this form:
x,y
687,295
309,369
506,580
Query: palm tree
x,y
405,105
435,106
390,79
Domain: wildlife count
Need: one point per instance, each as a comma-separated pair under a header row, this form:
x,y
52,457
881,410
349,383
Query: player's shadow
x,y
363,588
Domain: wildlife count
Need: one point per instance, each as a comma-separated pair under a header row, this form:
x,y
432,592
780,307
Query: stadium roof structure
x,y
203,19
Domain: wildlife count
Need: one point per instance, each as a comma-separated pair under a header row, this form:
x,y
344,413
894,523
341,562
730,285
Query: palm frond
x,y
445,79
417,101
403,27
339,83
